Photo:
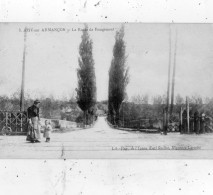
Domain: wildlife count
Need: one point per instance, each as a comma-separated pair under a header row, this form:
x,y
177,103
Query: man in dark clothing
x,y
196,122
184,117
33,111
202,122
34,134
191,121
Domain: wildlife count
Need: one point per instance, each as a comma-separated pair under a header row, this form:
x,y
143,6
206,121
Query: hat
x,y
36,101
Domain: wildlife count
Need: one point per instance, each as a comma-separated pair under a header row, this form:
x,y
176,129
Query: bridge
x,y
103,141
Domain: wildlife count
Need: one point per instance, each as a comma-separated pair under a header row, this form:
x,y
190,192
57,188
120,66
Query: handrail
x,y
13,122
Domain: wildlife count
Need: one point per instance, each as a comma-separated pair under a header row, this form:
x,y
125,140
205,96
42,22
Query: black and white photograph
x,y
106,90
106,97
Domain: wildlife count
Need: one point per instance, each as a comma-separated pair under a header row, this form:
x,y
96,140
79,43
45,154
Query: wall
x,y
62,124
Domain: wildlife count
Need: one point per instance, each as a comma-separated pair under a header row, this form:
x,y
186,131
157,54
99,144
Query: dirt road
x,y
101,141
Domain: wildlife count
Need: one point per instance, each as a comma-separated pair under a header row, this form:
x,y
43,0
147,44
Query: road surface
x,y
102,141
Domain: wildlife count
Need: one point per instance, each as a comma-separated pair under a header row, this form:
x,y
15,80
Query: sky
x,y
52,58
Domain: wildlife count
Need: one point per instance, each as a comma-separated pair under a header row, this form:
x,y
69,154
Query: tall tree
x,y
86,92
118,77
179,100
140,99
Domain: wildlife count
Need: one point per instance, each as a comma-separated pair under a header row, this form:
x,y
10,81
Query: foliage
x,y
102,106
49,108
137,109
86,92
118,77
141,99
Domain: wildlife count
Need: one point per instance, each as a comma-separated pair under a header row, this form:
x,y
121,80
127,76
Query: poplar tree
x,y
118,77
86,92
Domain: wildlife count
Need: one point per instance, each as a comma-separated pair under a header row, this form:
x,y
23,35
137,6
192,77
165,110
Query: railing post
x,y
187,111
181,119
164,121
21,122
16,123
6,120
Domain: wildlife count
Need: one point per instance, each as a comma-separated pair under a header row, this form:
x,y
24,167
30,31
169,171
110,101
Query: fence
x,y
143,124
13,123
193,122
196,124
59,124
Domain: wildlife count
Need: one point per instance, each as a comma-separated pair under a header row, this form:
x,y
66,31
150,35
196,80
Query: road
x,y
101,141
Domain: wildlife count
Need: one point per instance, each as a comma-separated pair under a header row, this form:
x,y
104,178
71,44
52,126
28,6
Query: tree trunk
x,y
164,120
117,117
187,110
84,119
87,117
181,120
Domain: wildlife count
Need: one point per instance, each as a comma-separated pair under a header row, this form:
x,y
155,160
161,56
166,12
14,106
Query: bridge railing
x,y
142,124
13,123
197,125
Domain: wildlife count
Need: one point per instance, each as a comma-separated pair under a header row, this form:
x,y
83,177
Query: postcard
x,y
106,91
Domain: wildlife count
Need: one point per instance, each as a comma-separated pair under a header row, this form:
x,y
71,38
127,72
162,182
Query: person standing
x,y
47,130
202,122
196,122
191,121
184,117
34,134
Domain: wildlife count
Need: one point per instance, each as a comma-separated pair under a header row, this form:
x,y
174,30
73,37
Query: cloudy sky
x,y
52,58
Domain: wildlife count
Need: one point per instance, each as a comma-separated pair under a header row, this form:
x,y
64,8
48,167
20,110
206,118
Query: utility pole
x,y
187,111
173,76
23,74
181,119
168,86
123,114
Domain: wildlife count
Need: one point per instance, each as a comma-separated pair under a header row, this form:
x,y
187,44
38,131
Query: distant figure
x,y
202,122
196,122
47,130
207,125
184,117
191,121
33,134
